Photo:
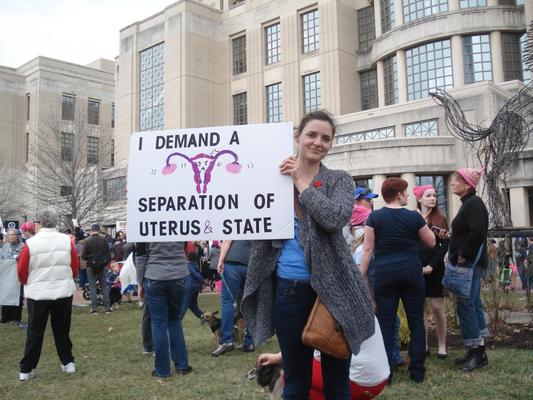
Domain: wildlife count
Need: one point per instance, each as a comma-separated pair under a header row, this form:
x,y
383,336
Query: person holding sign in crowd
x,y
316,262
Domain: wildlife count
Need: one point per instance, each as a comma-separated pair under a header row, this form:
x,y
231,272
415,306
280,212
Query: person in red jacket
x,y
46,267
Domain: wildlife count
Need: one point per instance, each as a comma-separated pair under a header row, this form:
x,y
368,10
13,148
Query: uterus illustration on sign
x,y
202,166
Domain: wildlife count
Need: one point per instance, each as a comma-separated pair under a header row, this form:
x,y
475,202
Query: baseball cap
x,y
364,193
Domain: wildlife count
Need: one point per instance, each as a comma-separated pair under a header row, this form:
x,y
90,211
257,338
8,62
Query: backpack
x,y
99,261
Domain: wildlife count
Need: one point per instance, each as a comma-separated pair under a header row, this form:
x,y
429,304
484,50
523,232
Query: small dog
x,y
213,321
270,377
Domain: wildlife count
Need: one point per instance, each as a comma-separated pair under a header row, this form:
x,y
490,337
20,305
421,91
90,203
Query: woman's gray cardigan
x,y
327,207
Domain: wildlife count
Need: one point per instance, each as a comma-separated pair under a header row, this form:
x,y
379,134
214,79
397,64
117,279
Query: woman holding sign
x,y
285,277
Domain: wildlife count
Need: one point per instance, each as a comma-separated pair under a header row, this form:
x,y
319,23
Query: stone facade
x,y
31,108
397,135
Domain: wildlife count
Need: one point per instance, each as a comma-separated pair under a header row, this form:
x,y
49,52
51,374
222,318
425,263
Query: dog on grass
x,y
214,322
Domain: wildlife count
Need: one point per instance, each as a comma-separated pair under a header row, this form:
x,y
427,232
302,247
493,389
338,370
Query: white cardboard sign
x,y
210,184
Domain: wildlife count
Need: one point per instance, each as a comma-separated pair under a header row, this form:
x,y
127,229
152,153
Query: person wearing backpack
x,y
96,253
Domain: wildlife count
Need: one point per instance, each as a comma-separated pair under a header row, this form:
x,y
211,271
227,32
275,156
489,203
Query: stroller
x,y
99,294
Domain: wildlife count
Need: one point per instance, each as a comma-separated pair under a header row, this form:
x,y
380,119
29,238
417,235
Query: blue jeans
x,y
294,301
407,284
470,313
191,300
234,277
164,300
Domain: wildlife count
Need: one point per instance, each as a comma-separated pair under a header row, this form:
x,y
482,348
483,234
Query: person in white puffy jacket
x,y
46,267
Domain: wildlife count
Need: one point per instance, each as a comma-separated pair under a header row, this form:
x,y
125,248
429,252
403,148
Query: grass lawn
x,y
110,366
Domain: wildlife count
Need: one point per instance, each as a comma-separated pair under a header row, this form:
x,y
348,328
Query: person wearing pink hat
x,y
433,262
468,248
28,229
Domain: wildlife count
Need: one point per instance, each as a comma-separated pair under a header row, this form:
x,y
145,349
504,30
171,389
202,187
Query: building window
x,y
364,136
439,183
367,30
152,93
27,106
390,78
27,146
387,15
112,115
93,112
415,9
526,72
240,109
312,99
67,107
364,182
235,3
310,31
428,67
238,47
512,59
112,152
115,189
422,128
272,44
67,146
92,150
478,65
472,3
65,191
273,102
369,90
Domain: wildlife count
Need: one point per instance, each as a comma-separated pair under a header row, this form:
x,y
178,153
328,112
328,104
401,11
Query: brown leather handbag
x,y
323,333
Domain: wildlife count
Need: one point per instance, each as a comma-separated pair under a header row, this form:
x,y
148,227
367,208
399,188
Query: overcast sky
x,y
78,31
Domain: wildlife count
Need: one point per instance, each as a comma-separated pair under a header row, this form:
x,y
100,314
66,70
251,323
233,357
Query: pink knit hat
x,y
419,190
359,215
471,175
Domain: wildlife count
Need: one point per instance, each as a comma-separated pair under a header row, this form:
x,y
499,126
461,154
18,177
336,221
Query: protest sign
x,y
9,282
210,184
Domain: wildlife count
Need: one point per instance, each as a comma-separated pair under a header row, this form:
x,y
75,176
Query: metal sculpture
x,y
498,146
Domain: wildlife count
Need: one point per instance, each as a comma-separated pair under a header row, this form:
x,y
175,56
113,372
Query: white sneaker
x,y
70,368
26,376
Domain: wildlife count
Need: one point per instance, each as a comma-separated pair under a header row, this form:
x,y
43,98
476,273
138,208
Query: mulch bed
x,y
515,336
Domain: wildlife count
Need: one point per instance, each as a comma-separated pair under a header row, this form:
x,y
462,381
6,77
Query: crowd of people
x,y
361,263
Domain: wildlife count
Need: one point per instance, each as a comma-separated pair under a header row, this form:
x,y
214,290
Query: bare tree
x,y
10,199
65,167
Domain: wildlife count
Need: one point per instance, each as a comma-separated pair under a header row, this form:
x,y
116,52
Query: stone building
x,y
370,63
56,132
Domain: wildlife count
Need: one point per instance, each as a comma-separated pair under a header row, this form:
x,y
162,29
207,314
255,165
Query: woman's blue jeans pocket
x,y
458,279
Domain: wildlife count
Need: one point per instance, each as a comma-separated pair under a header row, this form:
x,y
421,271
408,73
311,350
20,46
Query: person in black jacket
x,y
468,248
96,253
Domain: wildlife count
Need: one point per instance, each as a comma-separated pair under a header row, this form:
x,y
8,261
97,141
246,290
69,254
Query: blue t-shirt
x,y
291,262
396,236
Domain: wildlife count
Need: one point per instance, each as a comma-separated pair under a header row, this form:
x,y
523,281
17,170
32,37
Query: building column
x,y
398,12
377,181
528,8
381,84
458,61
377,18
496,52
454,202
402,77
519,206
453,5
411,200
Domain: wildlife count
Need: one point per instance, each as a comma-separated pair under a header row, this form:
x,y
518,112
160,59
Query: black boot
x,y
474,359
462,360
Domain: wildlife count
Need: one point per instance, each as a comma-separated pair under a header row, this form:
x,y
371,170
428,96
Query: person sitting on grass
x,y
193,287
